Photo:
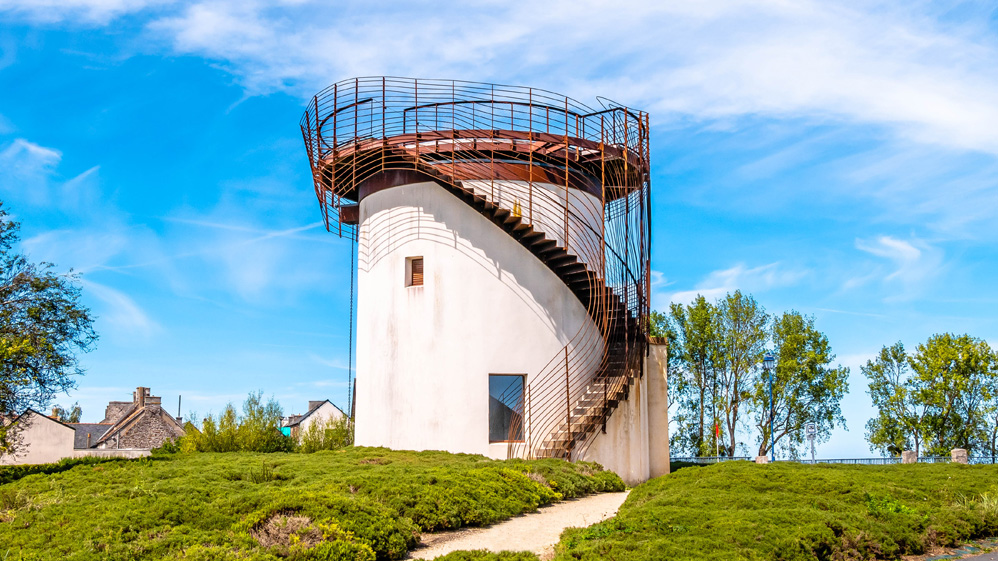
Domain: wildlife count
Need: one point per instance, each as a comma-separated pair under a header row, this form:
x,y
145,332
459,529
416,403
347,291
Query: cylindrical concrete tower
x,y
503,260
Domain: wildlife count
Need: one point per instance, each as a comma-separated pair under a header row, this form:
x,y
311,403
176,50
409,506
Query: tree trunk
x,y
699,443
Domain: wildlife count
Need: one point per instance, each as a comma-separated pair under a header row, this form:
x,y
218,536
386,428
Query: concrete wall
x,y
636,443
41,440
424,353
623,448
123,453
656,372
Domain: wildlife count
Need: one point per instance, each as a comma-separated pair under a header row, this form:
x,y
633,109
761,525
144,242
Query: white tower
x,y
503,261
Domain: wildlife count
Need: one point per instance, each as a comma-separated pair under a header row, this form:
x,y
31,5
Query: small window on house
x,y
505,408
414,271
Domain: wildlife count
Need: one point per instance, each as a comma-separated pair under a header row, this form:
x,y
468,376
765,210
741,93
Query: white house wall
x,y
424,353
326,413
40,441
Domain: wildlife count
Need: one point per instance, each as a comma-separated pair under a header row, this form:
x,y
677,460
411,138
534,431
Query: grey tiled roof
x,y
96,430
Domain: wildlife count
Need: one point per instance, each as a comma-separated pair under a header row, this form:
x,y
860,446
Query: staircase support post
x,y
568,407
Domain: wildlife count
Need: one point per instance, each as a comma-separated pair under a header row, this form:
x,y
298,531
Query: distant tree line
x,y
722,393
258,429
942,396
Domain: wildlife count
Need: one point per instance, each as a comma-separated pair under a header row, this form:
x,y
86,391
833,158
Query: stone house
x,y
141,423
129,429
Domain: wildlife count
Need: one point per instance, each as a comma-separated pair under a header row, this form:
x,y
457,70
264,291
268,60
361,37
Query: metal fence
x,y
705,460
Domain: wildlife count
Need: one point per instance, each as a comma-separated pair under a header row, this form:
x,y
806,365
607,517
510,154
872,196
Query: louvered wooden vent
x,y
415,271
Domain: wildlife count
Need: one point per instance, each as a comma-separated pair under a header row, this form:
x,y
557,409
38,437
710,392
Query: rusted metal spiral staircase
x,y
567,182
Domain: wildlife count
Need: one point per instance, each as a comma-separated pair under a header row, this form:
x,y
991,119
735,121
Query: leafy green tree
x,y
42,327
71,415
260,426
331,434
715,350
256,430
742,333
897,394
805,388
956,383
658,325
694,376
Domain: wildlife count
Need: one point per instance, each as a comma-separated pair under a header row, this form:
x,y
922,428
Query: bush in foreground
x,y
784,511
482,555
357,504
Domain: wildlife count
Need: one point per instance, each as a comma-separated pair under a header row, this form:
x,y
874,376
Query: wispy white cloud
x,y
659,298
755,279
324,384
88,12
25,159
913,264
912,68
894,66
851,313
120,313
254,261
83,251
336,363
954,194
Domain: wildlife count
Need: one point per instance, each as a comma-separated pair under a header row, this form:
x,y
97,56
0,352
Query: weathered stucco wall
x,y
424,353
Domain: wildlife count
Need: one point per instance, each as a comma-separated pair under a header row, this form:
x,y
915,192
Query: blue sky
x,y
840,159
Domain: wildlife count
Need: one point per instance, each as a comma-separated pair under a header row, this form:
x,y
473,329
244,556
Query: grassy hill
x,y
357,504
786,511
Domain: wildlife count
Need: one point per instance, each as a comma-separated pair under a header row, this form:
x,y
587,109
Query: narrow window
x,y
505,408
414,271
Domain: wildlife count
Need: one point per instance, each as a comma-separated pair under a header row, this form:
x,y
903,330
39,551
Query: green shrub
x,y
482,555
352,503
13,473
333,551
258,429
330,435
786,511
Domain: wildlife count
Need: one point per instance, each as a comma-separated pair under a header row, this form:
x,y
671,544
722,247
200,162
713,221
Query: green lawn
x,y
354,504
784,511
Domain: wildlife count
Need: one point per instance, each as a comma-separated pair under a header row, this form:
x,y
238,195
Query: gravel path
x,y
537,532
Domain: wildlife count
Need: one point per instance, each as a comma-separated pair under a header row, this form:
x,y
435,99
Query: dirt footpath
x,y
537,532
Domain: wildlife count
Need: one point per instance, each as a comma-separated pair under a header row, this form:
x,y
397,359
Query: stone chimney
x,y
140,396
